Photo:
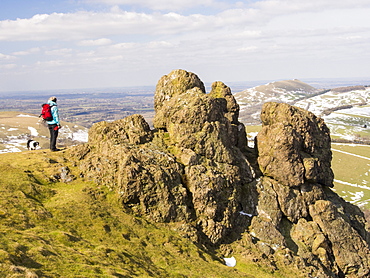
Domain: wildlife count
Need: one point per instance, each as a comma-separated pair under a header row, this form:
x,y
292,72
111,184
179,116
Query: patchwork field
x,y
350,124
351,166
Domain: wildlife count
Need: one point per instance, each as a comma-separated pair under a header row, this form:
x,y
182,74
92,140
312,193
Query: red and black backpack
x,y
46,112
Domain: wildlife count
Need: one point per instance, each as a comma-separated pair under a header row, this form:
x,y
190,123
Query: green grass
x,y
78,229
351,166
253,128
349,126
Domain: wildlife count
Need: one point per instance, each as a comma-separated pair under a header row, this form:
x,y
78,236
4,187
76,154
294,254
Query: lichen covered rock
x,y
191,168
175,83
130,130
296,209
294,146
195,168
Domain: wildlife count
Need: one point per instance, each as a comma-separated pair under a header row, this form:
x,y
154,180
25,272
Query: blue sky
x,y
66,44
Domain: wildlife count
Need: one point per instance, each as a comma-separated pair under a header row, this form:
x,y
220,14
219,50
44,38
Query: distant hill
x,y
251,100
16,128
344,109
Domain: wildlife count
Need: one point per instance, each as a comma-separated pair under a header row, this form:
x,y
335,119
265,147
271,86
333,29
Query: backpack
x,y
46,112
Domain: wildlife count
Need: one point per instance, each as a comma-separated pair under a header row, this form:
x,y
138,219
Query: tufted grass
x,y
50,228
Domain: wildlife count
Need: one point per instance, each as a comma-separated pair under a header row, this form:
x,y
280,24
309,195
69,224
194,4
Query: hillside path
x,y
360,156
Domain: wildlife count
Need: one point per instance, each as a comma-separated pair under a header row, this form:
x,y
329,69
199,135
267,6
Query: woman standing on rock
x,y
54,124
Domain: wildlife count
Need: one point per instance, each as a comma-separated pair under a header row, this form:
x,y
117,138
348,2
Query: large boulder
x,y
294,146
175,83
206,126
190,168
296,209
147,180
130,130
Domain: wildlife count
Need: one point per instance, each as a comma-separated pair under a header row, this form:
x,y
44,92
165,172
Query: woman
x,y
54,125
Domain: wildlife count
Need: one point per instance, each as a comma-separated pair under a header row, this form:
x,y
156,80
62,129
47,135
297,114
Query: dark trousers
x,y
53,136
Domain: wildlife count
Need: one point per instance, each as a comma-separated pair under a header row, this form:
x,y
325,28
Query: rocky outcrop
x,y
295,203
191,168
294,146
195,168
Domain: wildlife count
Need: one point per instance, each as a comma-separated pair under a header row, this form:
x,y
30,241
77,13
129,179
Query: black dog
x,y
32,145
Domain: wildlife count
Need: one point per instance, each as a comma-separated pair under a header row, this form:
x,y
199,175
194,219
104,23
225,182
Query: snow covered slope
x,y
346,112
252,99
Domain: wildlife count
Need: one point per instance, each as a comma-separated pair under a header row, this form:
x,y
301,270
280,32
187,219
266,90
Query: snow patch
x,y
26,116
244,213
357,196
230,261
33,130
356,155
13,144
352,184
81,136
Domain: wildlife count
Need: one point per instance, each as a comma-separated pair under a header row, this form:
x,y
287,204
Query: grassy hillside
x,y
351,165
51,228
344,125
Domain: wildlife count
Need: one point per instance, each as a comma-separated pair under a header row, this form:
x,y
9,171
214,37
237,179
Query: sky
x,y
66,44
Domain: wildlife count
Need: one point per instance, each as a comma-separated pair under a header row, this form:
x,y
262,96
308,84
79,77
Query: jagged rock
x,y
176,82
349,249
220,90
132,130
195,168
206,127
294,146
147,180
295,204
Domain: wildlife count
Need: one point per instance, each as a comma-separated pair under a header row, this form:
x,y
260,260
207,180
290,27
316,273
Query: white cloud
x,y
8,66
6,57
27,52
59,52
97,28
166,5
122,46
298,6
91,25
256,39
251,48
97,42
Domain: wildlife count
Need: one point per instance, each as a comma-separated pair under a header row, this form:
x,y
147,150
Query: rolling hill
x,y
346,110
252,99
